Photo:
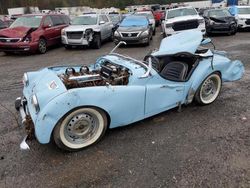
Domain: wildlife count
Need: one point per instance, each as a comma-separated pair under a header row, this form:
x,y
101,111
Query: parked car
x,y
3,25
242,15
134,30
181,19
88,30
75,105
33,32
150,17
115,18
220,21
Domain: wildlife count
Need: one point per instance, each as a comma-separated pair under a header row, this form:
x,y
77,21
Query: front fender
x,y
124,104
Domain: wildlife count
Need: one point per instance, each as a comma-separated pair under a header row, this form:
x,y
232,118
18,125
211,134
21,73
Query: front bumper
x,y
132,40
219,28
171,31
26,121
18,47
244,23
75,42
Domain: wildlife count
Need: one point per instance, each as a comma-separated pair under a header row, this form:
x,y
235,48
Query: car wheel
x,y
80,129
97,42
154,32
209,90
148,43
67,47
42,46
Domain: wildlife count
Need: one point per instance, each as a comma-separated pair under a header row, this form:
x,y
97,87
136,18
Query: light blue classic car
x,y
74,105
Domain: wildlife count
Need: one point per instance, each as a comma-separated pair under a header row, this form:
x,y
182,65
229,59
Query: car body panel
x,y
142,97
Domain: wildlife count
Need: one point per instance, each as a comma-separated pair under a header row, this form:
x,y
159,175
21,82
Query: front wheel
x,y
80,129
209,90
42,46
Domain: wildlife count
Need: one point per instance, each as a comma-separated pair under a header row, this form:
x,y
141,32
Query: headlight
x,y
145,33
63,32
242,19
25,79
211,22
116,34
27,39
34,102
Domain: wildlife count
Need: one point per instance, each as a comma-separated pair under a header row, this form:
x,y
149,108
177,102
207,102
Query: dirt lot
x,y
200,147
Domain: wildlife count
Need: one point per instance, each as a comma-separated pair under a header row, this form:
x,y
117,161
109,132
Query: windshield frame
x,y
19,21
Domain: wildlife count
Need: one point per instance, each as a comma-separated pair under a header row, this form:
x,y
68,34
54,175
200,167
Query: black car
x,y
220,21
134,30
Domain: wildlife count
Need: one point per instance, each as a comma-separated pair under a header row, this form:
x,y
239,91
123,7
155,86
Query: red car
x,y
33,33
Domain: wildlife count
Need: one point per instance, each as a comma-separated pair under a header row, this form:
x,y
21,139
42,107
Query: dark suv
x,y
33,33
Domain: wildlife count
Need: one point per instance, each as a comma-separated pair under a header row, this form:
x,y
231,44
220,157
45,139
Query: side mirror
x,y
206,41
101,22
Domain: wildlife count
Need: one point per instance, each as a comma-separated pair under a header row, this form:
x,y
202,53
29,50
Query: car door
x,y
102,25
58,25
48,30
108,25
162,94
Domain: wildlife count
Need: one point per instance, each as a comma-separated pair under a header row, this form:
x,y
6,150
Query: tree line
x,y
51,4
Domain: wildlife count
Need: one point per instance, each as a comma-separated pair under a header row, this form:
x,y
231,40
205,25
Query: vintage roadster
x,y
74,105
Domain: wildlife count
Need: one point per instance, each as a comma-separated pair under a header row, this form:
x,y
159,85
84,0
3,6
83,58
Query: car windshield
x,y
181,12
85,20
244,11
115,18
27,21
148,15
134,21
219,13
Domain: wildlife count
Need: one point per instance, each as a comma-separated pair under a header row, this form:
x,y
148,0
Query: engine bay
x,y
107,74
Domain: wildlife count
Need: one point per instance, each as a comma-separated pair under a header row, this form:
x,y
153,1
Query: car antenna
x,y
117,46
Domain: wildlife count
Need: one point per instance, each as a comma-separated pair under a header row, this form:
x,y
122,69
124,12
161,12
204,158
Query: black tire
x,y
215,78
96,43
42,46
148,43
8,53
68,47
81,121
154,32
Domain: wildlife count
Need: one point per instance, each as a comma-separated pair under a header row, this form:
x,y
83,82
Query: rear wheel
x,y
80,129
209,90
42,46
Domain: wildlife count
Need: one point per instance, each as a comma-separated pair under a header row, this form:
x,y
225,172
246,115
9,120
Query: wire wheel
x,y
42,46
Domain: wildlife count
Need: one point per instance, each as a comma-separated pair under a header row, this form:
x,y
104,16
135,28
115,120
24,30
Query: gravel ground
x,y
200,147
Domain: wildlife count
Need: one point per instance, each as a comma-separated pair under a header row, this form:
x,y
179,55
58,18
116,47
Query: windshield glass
x,y
148,15
84,20
27,21
134,21
219,13
181,12
114,18
244,11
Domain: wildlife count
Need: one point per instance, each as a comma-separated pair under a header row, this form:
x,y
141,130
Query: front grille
x,y
9,40
248,22
184,25
130,34
75,35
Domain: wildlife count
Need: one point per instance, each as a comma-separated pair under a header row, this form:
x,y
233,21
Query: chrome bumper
x,y
20,105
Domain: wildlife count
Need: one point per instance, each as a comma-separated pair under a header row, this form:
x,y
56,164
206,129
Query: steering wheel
x,y
155,61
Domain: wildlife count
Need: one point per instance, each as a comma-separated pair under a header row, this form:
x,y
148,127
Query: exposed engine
x,y
108,74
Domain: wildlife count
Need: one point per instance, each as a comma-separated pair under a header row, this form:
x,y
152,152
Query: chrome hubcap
x,y
42,46
81,128
209,89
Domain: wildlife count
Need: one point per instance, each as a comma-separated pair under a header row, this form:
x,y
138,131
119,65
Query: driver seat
x,y
175,71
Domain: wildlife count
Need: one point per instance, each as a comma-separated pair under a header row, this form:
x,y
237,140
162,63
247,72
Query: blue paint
x,y
141,98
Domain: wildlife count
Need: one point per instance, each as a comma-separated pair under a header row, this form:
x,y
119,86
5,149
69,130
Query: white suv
x,y
242,15
180,19
87,29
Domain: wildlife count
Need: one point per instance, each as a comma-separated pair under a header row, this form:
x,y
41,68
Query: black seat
x,y
175,71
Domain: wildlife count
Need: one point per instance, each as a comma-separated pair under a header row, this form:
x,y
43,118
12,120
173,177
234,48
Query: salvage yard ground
x,y
205,146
